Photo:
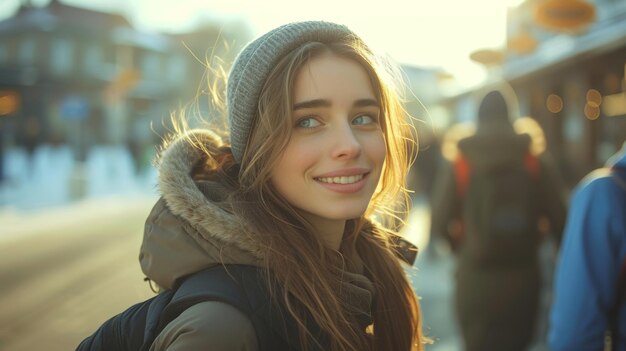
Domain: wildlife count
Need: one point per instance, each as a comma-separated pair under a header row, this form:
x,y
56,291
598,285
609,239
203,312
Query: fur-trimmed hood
x,y
186,230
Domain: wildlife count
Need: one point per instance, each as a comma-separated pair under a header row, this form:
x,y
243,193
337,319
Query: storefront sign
x,y
564,15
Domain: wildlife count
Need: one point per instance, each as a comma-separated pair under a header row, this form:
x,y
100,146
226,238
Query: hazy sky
x,y
434,33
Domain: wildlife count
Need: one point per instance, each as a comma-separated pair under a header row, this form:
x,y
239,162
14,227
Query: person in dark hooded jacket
x,y
496,303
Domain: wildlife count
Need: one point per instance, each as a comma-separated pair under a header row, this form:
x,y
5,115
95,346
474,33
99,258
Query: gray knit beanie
x,y
254,64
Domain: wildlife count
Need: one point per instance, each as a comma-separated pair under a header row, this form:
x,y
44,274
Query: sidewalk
x,y
62,268
16,223
431,277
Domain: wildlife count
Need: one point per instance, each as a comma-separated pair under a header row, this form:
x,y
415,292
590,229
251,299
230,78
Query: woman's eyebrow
x,y
312,104
366,103
326,103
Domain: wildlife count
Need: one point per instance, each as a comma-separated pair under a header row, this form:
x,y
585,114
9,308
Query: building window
x,y
27,51
61,56
92,60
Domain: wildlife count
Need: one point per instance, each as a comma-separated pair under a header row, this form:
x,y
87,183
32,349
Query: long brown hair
x,y
302,273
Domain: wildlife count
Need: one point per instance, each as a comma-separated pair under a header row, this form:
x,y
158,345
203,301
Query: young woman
x,y
309,191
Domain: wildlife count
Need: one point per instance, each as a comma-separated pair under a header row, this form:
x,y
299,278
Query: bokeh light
x,y
592,112
594,98
554,103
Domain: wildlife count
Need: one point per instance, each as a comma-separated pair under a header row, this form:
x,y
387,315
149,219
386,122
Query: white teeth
x,y
341,180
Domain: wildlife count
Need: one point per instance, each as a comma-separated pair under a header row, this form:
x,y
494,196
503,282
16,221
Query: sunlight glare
x,y
424,33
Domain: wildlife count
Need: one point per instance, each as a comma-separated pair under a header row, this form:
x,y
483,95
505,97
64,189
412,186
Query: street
x,y
64,271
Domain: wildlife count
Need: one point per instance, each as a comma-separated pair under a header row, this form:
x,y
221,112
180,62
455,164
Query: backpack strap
x,y
531,162
243,287
221,283
240,286
155,309
130,329
614,312
621,285
462,170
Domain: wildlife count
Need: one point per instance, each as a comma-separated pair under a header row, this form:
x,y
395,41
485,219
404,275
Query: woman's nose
x,y
346,145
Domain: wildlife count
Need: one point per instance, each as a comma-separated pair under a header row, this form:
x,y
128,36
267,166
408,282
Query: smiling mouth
x,y
341,180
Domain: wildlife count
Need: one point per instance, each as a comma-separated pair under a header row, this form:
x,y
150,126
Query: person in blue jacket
x,y
589,271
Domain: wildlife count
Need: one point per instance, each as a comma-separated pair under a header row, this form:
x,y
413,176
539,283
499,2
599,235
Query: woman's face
x,y
332,163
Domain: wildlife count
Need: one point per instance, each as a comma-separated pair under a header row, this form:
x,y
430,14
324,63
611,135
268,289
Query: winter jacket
x,y
186,232
588,270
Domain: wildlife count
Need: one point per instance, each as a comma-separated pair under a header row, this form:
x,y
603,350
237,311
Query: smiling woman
x,y
318,149
333,161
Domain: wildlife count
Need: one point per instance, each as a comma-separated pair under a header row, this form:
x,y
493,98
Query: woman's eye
x,y
308,122
363,119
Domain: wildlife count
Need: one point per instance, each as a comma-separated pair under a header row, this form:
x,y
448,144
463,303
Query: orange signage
x,y
9,102
564,15
125,80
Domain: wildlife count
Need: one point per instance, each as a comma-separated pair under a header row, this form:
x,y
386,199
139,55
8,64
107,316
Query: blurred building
x,y
565,60
572,81
85,77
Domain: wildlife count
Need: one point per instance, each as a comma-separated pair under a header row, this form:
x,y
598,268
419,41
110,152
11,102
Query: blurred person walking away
x,y
493,204
589,311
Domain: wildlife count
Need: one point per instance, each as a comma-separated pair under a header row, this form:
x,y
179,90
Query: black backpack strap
x,y
244,288
240,286
153,315
621,285
218,283
614,312
130,330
